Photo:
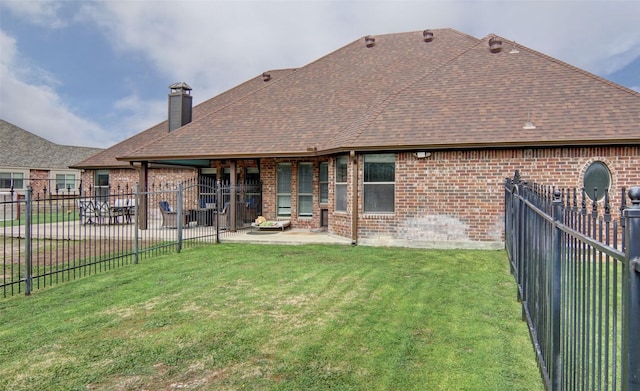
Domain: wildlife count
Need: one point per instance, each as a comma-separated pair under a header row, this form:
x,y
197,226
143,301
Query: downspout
x,y
354,200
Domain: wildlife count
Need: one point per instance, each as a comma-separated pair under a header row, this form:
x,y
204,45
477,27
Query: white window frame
x,y
369,186
283,199
323,183
101,191
12,172
341,184
53,175
305,194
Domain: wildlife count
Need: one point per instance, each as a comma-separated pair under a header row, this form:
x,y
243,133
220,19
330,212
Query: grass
x,y
267,317
42,218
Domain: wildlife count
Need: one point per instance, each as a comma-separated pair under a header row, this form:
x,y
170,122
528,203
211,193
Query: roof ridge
x,y
563,63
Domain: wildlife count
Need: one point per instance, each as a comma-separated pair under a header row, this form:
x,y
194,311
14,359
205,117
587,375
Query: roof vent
x,y
369,41
528,125
495,44
266,76
428,35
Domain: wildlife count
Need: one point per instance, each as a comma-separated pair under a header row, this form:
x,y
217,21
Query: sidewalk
x,y
289,236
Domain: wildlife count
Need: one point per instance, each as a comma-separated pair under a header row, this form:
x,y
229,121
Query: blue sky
x,y
93,73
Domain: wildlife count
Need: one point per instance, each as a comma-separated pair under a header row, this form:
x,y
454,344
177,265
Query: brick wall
x,y
455,198
39,180
268,175
449,199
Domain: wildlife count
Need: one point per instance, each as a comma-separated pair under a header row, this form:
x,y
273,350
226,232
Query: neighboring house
x,y
402,139
30,160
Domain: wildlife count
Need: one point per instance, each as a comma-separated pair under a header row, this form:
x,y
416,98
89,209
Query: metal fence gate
x,y
578,275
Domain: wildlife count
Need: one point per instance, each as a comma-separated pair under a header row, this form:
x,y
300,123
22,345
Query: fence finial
x,y
607,206
634,195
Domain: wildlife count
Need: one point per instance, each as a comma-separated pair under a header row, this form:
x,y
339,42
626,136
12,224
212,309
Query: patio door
x,y
283,179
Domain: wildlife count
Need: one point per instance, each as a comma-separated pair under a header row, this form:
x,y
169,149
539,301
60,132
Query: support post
x,y
142,201
219,207
556,278
354,199
233,202
631,296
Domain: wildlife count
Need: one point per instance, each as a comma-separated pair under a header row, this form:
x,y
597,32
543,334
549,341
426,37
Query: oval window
x,y
597,178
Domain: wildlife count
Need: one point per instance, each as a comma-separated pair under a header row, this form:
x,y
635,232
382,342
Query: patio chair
x,y
224,217
87,211
170,216
108,213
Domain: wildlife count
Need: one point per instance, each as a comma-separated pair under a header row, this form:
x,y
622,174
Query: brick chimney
x,y
180,103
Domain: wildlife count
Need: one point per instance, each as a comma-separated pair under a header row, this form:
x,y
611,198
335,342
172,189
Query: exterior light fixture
x,y
422,154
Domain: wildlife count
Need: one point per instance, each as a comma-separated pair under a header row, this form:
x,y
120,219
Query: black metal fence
x,y
578,275
48,239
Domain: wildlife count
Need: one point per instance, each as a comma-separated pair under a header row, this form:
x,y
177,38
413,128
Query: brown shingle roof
x,y
405,93
484,99
315,104
107,158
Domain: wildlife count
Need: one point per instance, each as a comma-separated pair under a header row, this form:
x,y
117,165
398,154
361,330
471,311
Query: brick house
x,y
30,160
401,139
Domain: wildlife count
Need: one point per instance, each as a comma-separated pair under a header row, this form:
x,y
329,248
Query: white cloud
x,y
139,114
43,13
215,45
37,107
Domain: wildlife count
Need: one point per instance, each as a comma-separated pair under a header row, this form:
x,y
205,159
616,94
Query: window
x,y
324,183
13,180
284,189
252,175
305,189
379,183
65,182
597,179
341,184
102,183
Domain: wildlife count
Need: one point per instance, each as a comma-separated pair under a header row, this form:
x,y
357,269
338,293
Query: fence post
x,y
136,226
27,241
556,279
631,296
522,246
179,218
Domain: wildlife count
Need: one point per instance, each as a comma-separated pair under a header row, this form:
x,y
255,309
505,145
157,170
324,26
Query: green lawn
x,y
42,218
267,317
